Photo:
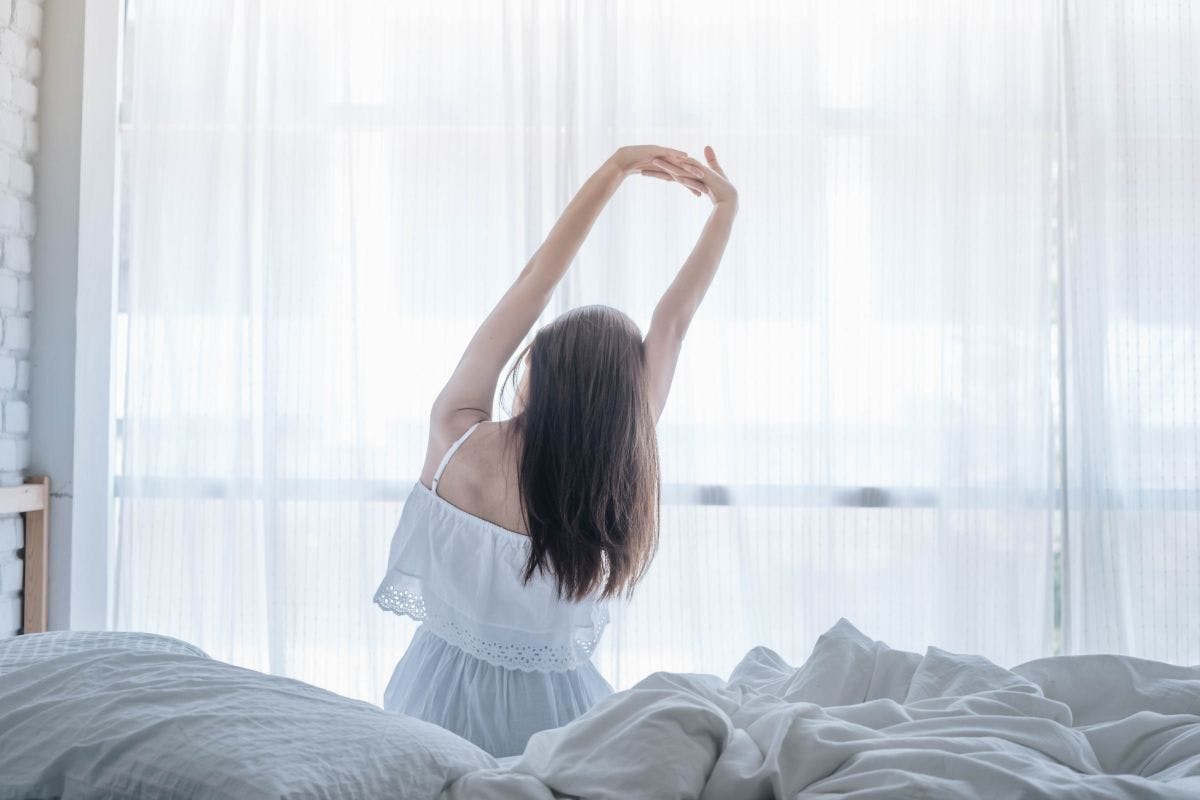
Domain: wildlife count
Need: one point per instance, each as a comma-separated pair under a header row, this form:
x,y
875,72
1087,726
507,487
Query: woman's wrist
x,y
616,165
727,205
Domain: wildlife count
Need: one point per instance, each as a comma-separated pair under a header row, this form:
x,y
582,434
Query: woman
x,y
520,530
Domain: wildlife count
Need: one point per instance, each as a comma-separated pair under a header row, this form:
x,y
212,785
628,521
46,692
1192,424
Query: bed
x,y
861,720
111,714
136,715
32,500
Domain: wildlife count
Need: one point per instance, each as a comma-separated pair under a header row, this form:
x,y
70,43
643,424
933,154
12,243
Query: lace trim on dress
x,y
510,655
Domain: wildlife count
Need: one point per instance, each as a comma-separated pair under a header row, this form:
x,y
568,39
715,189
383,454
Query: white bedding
x,y
128,715
24,651
139,716
859,720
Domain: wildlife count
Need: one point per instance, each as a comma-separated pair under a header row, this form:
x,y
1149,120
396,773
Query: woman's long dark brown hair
x,y
588,465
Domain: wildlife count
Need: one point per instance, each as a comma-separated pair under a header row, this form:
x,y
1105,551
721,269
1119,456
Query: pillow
x,y
149,724
31,648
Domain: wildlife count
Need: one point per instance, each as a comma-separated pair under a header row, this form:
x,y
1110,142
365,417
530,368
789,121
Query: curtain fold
x,y
1132,367
321,201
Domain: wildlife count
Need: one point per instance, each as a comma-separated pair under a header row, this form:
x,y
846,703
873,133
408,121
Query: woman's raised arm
x,y
468,396
678,305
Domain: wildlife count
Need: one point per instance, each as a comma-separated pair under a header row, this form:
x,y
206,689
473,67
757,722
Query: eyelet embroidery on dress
x,y
511,655
401,602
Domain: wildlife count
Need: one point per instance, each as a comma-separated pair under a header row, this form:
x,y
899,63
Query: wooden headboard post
x,y
33,500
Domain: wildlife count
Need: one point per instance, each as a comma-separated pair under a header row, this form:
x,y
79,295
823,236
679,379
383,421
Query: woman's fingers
x,y
698,178
678,166
715,184
696,186
666,152
703,169
681,168
710,156
657,173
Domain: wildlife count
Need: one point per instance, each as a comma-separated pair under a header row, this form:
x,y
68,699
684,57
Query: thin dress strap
x,y
437,475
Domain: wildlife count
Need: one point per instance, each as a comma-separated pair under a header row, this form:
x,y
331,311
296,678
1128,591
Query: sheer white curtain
x,y
1133,334
321,200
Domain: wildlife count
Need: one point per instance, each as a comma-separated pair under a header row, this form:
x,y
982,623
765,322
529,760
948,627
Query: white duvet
x,y
859,720
130,715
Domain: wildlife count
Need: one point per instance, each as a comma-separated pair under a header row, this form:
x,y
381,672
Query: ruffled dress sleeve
x,y
461,576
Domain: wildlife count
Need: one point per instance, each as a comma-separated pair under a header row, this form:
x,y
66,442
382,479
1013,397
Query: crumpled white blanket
x,y
860,720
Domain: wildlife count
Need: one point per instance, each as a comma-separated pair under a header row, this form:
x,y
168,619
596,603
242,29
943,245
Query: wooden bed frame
x,y
33,500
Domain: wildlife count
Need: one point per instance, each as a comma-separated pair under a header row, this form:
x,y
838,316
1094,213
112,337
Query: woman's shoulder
x,y
480,477
444,431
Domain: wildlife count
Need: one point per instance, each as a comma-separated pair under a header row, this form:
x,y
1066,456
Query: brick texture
x,y
20,71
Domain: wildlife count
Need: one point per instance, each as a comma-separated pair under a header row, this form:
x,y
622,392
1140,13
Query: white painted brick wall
x,y
20,69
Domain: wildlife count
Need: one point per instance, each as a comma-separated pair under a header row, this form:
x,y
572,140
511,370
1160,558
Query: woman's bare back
x,y
481,477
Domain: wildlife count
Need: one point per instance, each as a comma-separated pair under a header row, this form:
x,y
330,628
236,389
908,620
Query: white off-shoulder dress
x,y
495,659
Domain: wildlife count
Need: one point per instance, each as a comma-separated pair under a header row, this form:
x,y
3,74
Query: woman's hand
x,y
636,158
707,179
